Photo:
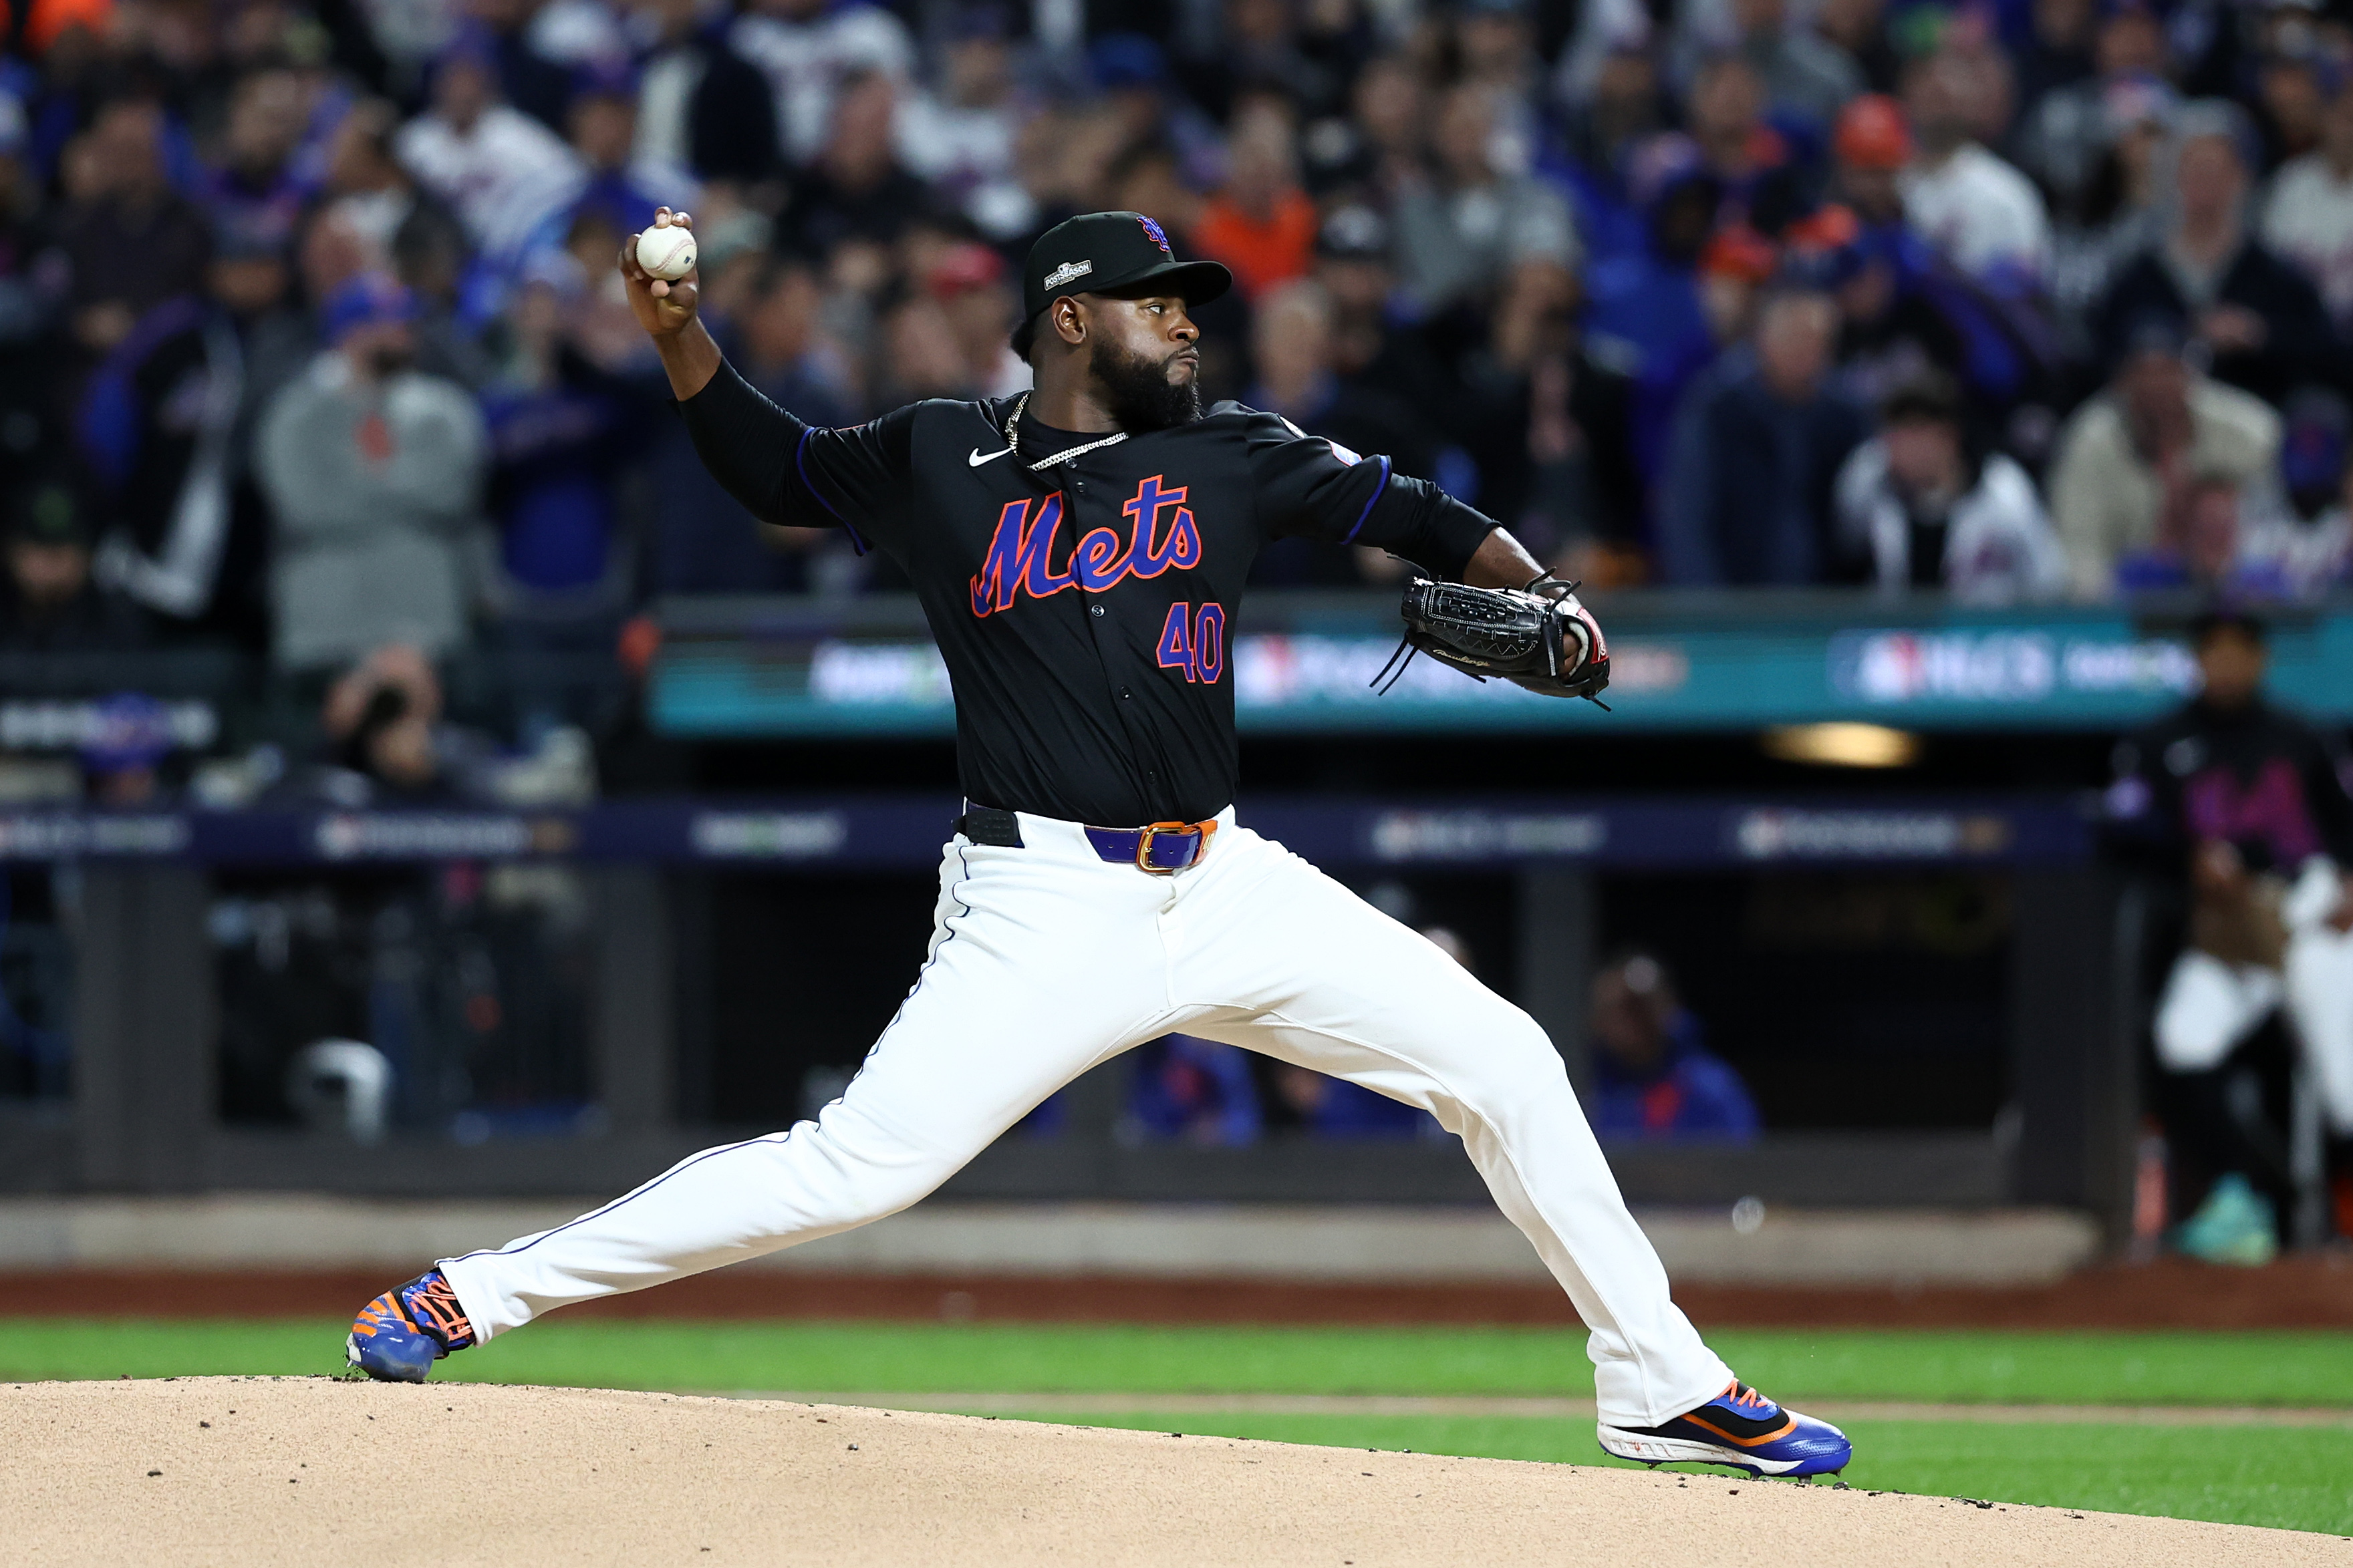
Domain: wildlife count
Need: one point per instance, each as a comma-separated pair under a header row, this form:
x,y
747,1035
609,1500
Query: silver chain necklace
x,y
1012,433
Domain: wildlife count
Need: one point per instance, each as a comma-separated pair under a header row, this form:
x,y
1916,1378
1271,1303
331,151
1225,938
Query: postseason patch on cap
x,y
1069,269
1152,231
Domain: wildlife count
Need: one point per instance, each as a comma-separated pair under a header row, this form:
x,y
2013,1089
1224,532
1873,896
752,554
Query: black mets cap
x,y
1113,253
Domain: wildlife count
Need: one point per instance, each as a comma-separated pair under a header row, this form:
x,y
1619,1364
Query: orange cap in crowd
x,y
1871,135
1739,252
1830,227
51,17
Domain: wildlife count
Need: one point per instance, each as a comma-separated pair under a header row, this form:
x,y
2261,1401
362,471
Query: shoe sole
x,y
1645,1449
352,1355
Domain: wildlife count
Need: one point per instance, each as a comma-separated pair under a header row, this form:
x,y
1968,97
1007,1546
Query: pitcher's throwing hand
x,y
662,305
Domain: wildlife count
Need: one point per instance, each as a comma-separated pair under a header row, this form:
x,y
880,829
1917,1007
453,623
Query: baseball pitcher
x,y
1079,552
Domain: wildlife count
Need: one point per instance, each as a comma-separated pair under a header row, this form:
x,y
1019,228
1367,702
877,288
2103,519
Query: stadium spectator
x,y
526,77
619,183
1508,235
1197,1090
1658,314
1858,28
34,302
1981,212
1763,182
1291,347
2116,215
49,601
368,193
387,742
2259,320
256,186
705,541
1801,71
2248,804
1922,505
2060,50
974,289
503,173
166,429
1551,430
560,428
1460,230
856,199
131,241
1653,1076
2126,461
959,137
810,52
2308,213
700,105
1755,455
2200,545
1375,344
2302,546
1626,108
1260,224
374,473
2071,124
158,424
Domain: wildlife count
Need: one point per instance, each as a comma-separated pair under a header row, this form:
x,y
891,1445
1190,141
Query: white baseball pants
x,y
2210,1005
1046,961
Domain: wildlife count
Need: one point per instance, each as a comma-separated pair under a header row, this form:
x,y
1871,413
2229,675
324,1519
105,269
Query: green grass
x,y
2272,1368
2288,1477
2291,1476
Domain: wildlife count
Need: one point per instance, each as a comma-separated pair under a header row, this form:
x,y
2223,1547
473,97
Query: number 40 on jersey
x,y
1195,644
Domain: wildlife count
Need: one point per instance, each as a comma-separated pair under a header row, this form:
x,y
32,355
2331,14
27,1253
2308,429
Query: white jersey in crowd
x,y
504,176
1979,212
803,61
2308,219
1999,547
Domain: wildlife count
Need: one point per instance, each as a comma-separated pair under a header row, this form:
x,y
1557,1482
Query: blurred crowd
x,y
1651,1076
310,342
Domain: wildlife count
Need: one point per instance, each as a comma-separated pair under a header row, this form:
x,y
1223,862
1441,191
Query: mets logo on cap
x,y
1152,232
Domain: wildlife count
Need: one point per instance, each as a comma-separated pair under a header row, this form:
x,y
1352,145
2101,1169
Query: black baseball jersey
x,y
2257,777
1086,612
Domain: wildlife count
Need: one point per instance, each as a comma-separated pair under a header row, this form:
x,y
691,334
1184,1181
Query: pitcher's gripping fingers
x,y
660,306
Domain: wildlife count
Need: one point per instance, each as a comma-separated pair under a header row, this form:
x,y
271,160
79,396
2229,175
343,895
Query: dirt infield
x,y
2174,1293
260,1471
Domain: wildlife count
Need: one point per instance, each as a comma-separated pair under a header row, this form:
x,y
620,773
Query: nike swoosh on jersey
x,y
975,460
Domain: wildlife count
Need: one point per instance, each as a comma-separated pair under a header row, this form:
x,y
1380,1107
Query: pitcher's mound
x,y
250,1471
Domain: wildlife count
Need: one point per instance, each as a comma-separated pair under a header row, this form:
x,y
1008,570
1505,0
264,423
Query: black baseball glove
x,y
1538,636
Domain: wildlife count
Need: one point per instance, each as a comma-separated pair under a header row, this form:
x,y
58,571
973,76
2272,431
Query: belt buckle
x,y
1144,848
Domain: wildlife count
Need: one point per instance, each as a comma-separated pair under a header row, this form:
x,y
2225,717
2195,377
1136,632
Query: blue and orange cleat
x,y
401,1333
1739,1427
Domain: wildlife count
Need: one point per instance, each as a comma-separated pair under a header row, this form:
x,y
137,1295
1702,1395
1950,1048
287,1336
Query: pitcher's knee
x,y
1517,1058
859,1169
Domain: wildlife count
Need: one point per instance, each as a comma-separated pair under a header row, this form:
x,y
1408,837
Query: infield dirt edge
x,y
303,1470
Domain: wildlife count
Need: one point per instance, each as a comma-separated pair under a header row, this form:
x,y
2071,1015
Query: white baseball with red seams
x,y
667,252
1047,960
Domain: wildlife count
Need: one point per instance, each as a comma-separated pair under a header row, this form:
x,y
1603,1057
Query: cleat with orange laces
x,y
1739,1427
400,1334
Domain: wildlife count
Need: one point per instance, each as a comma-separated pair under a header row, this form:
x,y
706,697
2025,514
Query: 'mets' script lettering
x,y
1018,553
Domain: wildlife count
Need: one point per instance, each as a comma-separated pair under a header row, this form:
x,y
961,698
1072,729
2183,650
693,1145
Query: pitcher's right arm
x,y
783,469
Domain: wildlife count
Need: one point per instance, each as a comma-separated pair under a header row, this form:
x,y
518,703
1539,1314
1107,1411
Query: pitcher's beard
x,y
1142,397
